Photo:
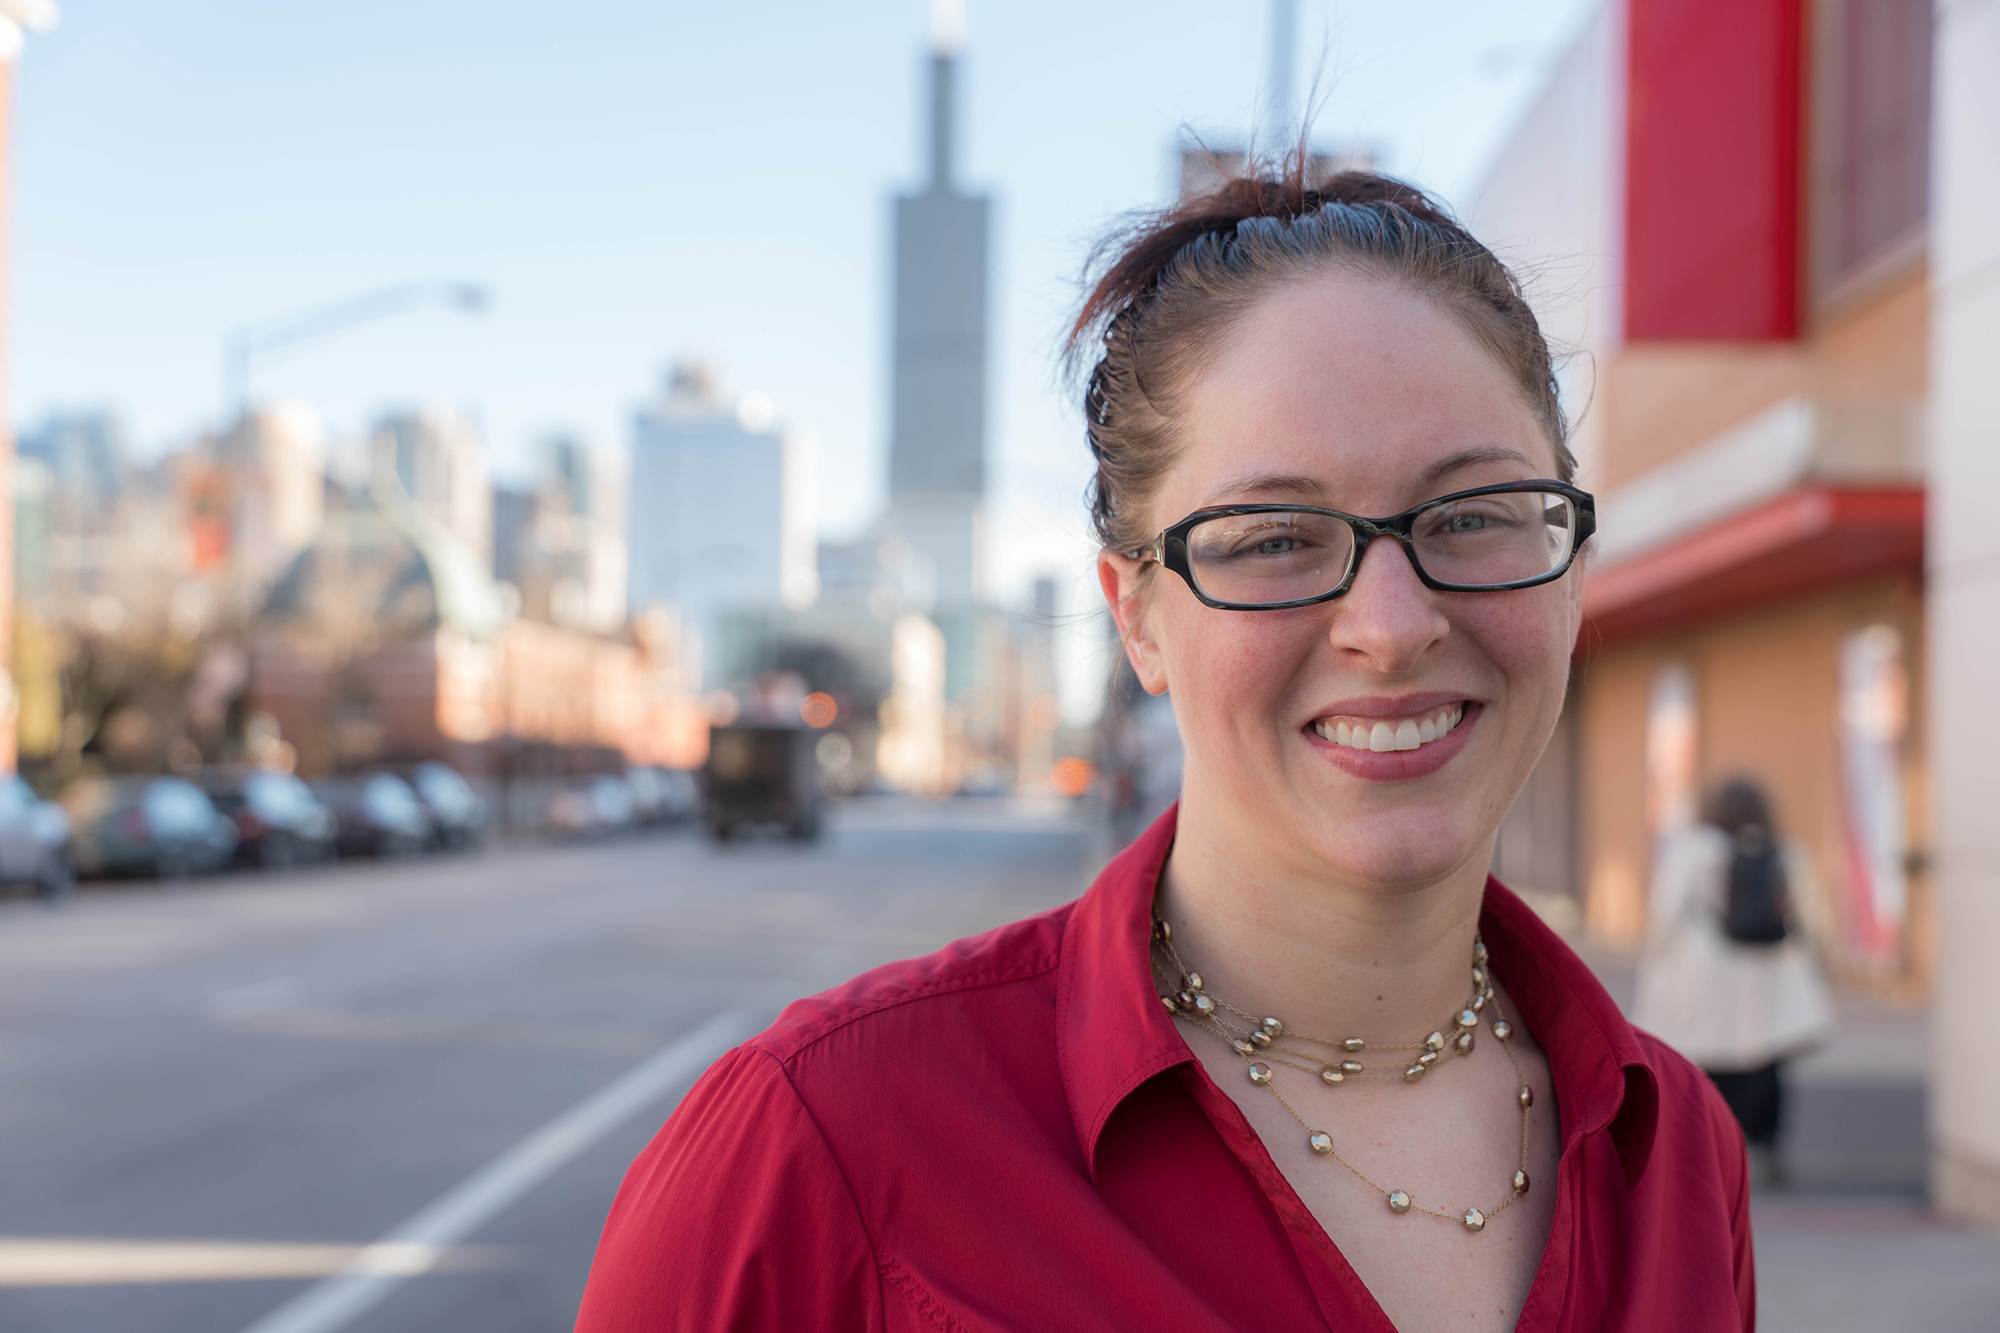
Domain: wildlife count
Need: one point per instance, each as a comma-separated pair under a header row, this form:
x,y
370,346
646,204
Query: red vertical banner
x,y
1715,98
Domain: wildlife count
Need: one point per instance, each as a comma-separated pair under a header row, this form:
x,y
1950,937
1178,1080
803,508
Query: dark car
x,y
164,827
459,815
34,840
279,822
378,814
761,776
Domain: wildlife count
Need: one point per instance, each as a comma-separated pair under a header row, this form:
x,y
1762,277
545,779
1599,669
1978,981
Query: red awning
x,y
1802,542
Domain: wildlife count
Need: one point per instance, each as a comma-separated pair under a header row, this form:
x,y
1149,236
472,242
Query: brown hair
x,y
1173,283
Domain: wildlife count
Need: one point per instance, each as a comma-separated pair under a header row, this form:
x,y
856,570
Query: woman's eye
x,y
1465,523
1278,545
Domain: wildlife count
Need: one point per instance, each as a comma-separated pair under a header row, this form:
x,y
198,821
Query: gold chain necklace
x,y
1261,1042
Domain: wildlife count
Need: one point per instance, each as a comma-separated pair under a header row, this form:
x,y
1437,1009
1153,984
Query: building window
x,y
1872,67
1874,725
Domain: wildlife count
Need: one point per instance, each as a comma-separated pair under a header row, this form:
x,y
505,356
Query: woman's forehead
x,y
1349,381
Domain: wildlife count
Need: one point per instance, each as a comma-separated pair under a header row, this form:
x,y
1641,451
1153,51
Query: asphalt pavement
x,y
400,1096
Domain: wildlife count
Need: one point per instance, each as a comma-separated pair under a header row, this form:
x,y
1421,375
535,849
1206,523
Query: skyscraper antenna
x,y
947,26
1278,126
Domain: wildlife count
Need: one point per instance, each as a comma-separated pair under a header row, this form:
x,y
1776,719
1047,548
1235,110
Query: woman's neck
x,y
1337,959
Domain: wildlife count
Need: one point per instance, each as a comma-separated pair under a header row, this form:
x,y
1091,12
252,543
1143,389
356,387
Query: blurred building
x,y
560,544
435,459
721,512
1723,212
389,639
1962,594
937,434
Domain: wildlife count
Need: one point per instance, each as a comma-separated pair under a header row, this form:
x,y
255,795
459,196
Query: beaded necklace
x,y
1263,1042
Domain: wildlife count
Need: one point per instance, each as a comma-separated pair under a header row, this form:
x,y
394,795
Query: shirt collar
x,y
1113,1034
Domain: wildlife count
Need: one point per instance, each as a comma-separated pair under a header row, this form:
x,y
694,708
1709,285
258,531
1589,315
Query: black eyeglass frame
x,y
1169,549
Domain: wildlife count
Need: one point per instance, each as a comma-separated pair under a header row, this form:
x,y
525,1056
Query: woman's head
x,y
1347,348
1737,806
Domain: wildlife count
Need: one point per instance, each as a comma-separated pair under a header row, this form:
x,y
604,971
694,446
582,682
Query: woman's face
x,y
1352,394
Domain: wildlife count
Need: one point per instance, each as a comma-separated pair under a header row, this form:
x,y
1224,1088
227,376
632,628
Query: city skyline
x,y
554,203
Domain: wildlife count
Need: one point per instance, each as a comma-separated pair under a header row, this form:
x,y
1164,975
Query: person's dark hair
x,y
1171,285
1738,806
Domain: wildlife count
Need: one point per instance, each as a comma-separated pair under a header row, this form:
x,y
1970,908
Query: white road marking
x,y
336,1301
93,1261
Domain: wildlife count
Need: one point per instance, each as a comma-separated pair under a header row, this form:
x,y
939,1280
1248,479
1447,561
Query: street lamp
x,y
247,343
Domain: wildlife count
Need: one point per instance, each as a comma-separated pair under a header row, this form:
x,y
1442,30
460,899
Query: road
x,y
401,1096
244,1075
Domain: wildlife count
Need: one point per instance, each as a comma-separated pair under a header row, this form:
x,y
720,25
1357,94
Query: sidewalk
x,y
1851,1244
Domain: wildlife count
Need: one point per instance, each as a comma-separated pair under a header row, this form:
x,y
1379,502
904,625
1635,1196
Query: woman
x,y
1108,1116
1729,977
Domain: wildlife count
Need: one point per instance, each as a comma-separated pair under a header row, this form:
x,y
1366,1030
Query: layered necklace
x,y
1265,1042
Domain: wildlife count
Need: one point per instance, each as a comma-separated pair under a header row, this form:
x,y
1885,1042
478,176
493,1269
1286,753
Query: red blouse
x,y
1012,1134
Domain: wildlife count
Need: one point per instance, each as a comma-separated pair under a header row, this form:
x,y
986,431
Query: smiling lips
x,y
1400,733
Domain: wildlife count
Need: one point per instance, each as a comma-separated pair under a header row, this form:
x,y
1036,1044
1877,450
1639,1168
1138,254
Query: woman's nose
x,y
1388,617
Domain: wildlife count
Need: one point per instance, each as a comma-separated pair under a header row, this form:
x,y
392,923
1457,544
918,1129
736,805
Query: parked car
x,y
592,805
165,827
663,795
279,822
761,776
34,840
377,814
459,815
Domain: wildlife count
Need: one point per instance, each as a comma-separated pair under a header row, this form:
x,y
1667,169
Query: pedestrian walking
x,y
1294,1061
1729,976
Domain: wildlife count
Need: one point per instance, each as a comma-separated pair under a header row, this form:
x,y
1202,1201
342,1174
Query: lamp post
x,y
247,343
17,18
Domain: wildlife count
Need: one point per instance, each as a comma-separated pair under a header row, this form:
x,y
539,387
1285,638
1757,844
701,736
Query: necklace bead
x,y
1464,1043
1354,1044
1168,1001
1399,1201
1203,1005
1351,1066
1274,1027
1520,1182
1502,1028
1475,1220
1243,1047
1320,1142
1434,1042
1260,1074
1527,1096
1194,981
1414,1072
1332,1075
1467,1019
1261,1037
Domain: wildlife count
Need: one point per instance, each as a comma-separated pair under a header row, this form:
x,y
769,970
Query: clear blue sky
x,y
639,179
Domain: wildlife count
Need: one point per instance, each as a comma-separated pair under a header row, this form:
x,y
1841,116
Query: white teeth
x,y
1405,733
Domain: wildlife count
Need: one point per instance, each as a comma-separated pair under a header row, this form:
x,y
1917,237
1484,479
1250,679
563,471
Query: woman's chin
x,y
1396,861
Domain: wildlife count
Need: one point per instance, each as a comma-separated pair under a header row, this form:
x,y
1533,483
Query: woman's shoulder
x,y
1690,1114
952,990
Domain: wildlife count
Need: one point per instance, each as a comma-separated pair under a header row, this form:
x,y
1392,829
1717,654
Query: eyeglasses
x,y
1270,557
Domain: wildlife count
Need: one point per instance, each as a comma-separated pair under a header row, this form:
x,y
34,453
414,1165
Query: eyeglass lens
x,y
1292,555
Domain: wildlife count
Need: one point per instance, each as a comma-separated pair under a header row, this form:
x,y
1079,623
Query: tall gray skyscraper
x,y
937,447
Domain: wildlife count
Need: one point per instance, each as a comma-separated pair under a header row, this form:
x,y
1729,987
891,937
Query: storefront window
x,y
1874,722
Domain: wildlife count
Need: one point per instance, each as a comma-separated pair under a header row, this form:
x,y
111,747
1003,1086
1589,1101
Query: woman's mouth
x,y
1380,734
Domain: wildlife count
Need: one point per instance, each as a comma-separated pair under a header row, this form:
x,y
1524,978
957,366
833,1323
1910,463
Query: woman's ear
x,y
1118,575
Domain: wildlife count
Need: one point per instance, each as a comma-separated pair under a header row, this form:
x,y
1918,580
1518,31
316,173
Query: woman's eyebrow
x,y
1290,483
1485,453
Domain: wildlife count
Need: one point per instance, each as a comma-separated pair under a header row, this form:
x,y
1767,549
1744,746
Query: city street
x,y
400,1096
